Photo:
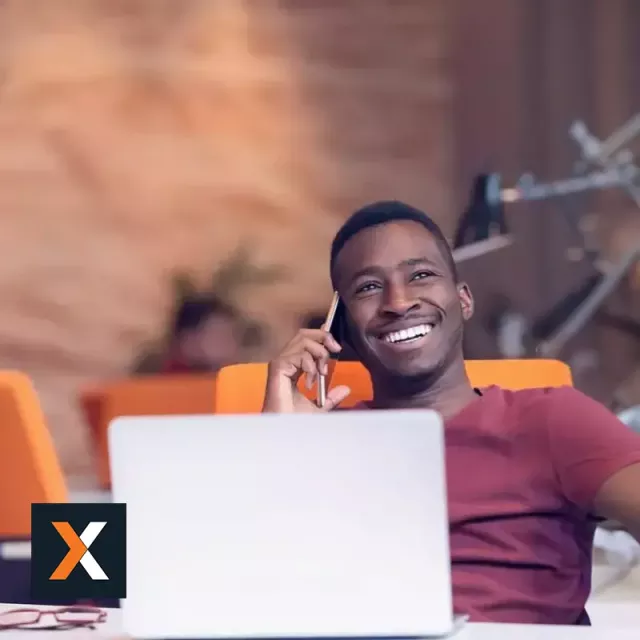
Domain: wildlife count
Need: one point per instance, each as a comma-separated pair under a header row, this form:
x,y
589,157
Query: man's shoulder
x,y
542,397
536,409
558,409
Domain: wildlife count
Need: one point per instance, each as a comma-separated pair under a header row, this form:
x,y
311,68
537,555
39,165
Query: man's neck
x,y
447,394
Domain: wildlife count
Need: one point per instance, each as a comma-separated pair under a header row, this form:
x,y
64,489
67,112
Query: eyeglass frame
x,y
100,616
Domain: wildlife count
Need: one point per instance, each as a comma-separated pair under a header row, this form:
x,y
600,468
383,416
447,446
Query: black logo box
x,y
48,550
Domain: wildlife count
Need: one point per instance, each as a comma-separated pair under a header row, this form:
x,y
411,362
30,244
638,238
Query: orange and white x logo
x,y
79,551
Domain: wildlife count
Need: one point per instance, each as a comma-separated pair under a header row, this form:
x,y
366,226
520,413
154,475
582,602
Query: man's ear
x,y
466,300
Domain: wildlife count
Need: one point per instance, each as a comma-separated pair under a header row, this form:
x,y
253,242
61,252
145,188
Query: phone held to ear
x,y
322,379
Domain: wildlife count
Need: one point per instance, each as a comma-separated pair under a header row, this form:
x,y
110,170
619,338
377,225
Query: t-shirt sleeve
x,y
588,444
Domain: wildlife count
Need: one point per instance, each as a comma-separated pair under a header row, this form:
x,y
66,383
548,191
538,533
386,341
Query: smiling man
x,y
528,472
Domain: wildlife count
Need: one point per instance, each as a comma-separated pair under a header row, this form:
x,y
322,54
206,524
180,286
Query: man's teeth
x,y
406,335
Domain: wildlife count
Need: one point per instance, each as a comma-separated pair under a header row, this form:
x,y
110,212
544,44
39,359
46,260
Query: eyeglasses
x,y
65,618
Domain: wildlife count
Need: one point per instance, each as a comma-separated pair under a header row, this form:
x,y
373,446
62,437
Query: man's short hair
x,y
381,213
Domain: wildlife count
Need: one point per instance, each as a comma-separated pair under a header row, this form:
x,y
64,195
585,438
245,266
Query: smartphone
x,y
322,379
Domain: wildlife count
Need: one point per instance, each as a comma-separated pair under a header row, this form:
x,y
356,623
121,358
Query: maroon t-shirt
x,y
523,469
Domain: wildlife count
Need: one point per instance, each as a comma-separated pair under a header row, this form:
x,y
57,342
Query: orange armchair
x,y
142,396
29,467
240,388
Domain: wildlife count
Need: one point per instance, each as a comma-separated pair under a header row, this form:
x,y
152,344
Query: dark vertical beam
x,y
564,55
487,47
495,75
633,51
614,71
535,135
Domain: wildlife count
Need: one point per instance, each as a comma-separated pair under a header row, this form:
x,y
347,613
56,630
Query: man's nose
x,y
399,301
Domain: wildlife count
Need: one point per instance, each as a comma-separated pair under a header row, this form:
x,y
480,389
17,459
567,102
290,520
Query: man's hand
x,y
307,353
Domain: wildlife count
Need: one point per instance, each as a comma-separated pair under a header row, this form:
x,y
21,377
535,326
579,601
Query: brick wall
x,y
143,136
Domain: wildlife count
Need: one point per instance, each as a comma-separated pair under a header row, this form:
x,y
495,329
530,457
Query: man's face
x,y
406,310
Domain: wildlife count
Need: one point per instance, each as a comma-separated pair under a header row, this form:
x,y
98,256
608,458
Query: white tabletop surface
x,y
112,628
611,620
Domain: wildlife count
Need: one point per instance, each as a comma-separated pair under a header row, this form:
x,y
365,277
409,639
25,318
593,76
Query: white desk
x,y
112,628
540,632
615,614
612,619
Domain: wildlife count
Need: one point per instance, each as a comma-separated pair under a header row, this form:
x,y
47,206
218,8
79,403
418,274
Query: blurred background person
x,y
206,335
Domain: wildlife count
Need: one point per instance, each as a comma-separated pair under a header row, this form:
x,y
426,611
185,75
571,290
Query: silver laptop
x,y
284,526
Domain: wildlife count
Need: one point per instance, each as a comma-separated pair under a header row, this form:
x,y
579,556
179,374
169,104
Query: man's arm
x,y
619,499
596,458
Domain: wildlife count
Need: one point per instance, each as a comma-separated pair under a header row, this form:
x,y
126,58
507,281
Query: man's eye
x,y
368,287
421,275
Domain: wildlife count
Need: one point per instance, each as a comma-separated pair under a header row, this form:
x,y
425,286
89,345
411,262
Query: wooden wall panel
x,y
556,60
